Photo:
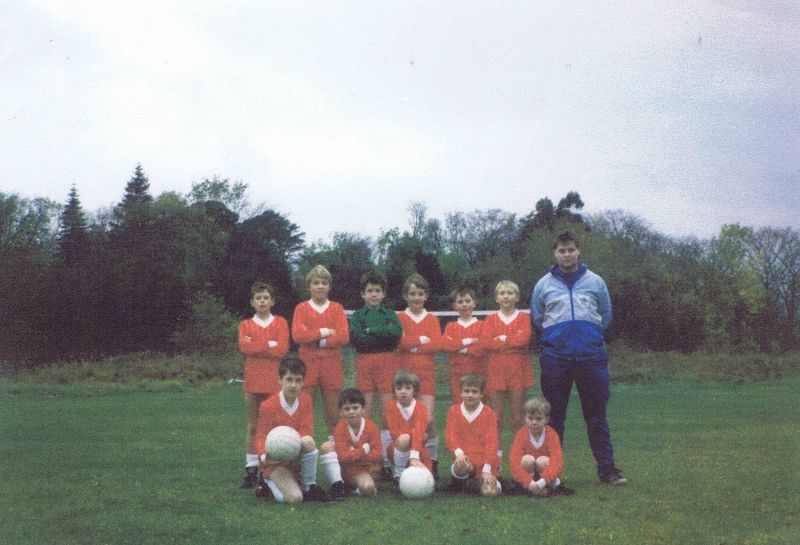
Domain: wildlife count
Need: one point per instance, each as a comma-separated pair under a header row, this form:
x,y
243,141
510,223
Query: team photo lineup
x,y
489,369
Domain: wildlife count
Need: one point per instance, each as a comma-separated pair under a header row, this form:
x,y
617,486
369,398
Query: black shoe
x,y
396,486
511,488
562,490
250,480
456,486
315,493
613,477
263,492
387,475
338,491
435,469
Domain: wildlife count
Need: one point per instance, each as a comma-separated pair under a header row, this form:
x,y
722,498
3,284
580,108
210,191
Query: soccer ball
x,y
416,482
283,443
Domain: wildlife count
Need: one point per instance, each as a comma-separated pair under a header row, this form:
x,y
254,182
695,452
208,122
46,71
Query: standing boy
x,y
571,308
319,327
422,338
375,332
289,407
507,334
461,339
472,438
264,340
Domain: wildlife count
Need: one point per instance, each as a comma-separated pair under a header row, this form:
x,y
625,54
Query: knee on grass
x,y
403,443
327,447
307,444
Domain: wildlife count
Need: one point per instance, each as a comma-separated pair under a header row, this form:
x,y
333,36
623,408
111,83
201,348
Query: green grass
x,y
708,463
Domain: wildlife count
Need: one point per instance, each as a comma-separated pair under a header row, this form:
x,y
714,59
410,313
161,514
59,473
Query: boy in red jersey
x,y
354,457
535,457
289,407
320,329
422,338
264,340
462,340
506,335
472,438
407,420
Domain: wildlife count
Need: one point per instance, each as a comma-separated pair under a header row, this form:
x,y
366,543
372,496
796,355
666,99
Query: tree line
x,y
172,273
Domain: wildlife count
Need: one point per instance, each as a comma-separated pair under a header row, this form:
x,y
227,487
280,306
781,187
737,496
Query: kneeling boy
x,y
406,419
290,407
354,456
471,436
535,456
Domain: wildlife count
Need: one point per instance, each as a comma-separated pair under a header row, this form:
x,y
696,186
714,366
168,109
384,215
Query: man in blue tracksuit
x,y
571,308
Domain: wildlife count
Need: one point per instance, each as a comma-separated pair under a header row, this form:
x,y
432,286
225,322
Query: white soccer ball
x,y
283,443
416,482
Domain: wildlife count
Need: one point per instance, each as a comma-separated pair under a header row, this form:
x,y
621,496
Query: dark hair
x,y
564,238
351,395
403,377
461,291
291,364
258,287
472,379
418,280
372,277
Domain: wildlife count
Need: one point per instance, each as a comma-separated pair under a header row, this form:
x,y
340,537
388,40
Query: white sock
x,y
252,460
308,468
386,440
556,482
500,459
331,468
433,447
400,461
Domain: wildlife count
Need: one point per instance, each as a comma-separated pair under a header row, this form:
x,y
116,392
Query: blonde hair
x,y
537,405
506,284
318,271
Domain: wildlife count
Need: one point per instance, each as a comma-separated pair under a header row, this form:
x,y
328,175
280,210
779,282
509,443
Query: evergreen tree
x,y
138,189
73,237
72,273
133,264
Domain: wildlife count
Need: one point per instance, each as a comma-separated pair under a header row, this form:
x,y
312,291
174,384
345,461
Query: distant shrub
x,y
143,366
208,328
628,365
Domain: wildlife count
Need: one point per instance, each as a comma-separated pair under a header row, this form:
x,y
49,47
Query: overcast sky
x,y
338,114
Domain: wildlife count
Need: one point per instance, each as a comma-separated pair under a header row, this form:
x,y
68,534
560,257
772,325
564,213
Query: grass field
x,y
708,463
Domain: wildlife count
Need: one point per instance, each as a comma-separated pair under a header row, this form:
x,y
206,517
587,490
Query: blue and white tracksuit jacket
x,y
571,314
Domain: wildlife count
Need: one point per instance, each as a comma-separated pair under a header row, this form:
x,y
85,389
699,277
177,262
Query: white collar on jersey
x,y
537,443
507,319
468,322
416,317
407,412
262,322
471,416
319,308
290,409
356,436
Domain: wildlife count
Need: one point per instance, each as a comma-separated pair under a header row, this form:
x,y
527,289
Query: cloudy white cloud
x,y
684,114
